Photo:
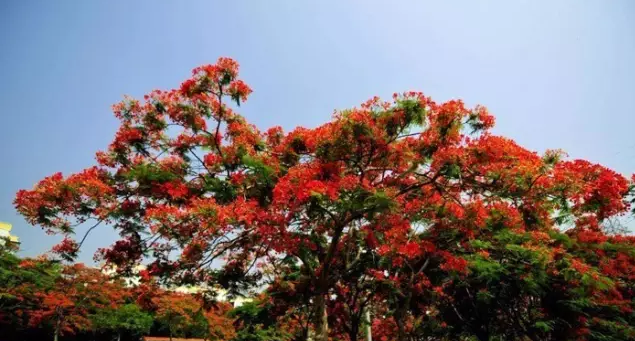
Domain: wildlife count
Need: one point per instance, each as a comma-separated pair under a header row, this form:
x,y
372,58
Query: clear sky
x,y
557,74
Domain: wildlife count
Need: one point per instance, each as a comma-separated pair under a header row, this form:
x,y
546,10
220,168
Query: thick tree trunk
x,y
352,336
320,322
354,331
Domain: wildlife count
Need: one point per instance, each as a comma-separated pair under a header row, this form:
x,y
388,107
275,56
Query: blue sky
x,y
557,74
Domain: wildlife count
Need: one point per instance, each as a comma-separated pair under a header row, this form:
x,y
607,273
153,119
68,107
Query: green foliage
x,y
256,324
257,333
543,326
480,244
146,173
41,273
486,270
198,327
223,189
379,202
129,319
19,282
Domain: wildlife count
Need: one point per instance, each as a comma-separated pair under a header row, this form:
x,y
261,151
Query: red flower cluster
x,y
453,263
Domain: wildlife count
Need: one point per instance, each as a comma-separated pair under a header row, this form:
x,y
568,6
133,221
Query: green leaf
x,y
543,326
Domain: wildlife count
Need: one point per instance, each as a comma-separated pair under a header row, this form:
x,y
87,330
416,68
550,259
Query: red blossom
x,y
453,263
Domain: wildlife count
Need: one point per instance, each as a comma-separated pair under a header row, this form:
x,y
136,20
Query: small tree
x,y
255,323
128,319
78,293
20,282
176,311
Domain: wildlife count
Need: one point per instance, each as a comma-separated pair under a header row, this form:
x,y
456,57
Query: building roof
x,y
5,228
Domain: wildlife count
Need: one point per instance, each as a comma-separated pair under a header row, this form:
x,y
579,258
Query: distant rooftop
x,y
221,294
5,229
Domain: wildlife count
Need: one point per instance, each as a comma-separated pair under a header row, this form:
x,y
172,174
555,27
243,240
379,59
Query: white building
x,y
5,234
221,294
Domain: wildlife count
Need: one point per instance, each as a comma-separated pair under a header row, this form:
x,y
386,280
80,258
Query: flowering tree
x,y
20,281
219,323
413,181
175,310
79,292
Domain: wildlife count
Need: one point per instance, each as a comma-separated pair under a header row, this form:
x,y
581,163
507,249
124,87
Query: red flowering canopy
x,y
75,295
187,175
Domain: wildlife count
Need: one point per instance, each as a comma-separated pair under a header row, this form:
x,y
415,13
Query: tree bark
x,y
400,319
354,331
58,324
482,335
401,328
320,322
369,333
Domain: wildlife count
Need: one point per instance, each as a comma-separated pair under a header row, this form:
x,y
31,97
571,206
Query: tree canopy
x,y
43,299
410,209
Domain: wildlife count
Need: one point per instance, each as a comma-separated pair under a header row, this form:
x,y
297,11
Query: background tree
x,y
176,311
127,319
76,294
220,324
38,294
20,281
253,322
197,327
